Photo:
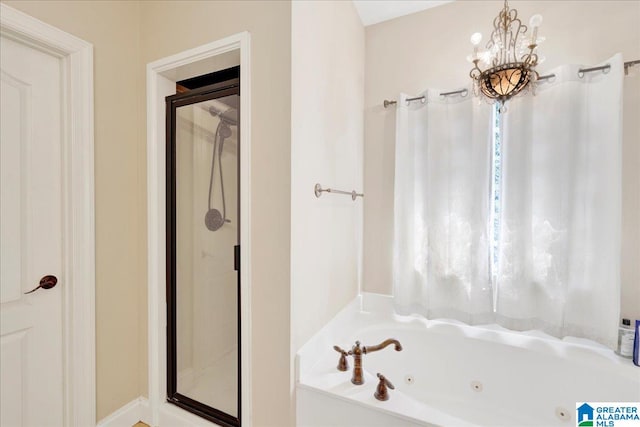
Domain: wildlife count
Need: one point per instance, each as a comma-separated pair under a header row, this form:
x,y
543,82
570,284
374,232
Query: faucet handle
x,y
339,350
386,382
342,363
381,391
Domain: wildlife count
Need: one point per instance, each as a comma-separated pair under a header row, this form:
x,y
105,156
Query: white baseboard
x,y
128,415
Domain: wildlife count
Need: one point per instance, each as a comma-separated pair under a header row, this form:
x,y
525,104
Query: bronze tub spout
x,y
383,344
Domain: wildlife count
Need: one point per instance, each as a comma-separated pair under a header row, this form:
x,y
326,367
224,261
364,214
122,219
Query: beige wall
x,y
113,28
429,49
126,36
173,26
327,92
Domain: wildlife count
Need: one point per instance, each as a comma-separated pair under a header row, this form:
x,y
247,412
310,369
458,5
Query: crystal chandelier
x,y
509,59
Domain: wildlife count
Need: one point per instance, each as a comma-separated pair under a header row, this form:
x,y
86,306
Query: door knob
x,y
47,282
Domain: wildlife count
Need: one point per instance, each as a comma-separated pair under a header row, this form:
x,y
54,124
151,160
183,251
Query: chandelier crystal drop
x,y
509,59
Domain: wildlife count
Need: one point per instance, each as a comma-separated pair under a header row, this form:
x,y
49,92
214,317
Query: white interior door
x,y
31,217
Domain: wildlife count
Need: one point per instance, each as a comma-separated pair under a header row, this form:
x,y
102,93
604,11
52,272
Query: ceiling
x,y
375,11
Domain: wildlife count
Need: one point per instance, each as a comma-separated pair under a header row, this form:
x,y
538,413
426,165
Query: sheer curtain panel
x,y
441,208
559,262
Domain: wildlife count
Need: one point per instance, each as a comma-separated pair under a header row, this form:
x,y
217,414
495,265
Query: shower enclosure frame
x,y
214,91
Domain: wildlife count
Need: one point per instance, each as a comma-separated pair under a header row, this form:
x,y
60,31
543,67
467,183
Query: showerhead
x,y
213,219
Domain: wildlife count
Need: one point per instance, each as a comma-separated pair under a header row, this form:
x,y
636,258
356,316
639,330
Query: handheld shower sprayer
x,y
214,219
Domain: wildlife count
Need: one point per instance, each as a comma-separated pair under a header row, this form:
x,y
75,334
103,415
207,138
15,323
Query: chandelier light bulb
x,y
535,21
476,38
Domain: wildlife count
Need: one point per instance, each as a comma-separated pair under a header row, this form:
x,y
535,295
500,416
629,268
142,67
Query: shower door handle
x,y
236,257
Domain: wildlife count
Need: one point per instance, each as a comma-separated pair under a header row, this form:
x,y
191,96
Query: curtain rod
x,y
605,69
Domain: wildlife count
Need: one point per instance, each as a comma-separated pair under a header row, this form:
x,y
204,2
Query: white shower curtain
x,y
559,244
442,184
559,263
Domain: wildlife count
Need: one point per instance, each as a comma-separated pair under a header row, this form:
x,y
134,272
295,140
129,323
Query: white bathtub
x,y
451,374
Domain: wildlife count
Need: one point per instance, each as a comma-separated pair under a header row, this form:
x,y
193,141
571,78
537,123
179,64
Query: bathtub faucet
x,y
357,352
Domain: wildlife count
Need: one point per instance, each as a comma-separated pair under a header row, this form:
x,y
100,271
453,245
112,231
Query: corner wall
x,y
429,49
327,93
120,188
169,27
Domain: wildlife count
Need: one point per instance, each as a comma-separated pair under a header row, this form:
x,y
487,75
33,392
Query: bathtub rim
x,y
381,309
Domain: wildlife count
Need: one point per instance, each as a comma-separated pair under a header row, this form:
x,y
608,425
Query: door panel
x,y
31,339
15,96
207,283
12,348
203,340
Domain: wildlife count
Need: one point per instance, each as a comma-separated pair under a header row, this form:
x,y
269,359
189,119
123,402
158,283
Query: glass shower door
x,y
203,341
